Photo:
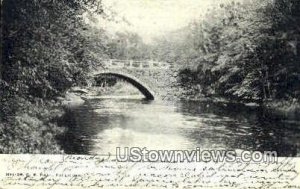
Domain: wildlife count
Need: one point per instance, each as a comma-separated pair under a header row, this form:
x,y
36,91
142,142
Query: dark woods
x,y
247,52
43,55
242,51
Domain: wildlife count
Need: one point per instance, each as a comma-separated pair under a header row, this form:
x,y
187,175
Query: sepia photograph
x,y
150,94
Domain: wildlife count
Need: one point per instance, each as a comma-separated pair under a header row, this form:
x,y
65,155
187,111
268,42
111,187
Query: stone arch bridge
x,y
155,80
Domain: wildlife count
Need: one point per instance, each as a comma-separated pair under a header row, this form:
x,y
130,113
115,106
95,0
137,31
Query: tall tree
x,y
42,56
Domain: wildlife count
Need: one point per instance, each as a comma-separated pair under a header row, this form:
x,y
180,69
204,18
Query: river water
x,y
101,125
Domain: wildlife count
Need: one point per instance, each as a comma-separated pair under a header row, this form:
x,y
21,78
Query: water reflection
x,y
101,125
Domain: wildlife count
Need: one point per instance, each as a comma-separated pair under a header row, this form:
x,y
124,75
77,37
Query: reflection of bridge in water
x,y
153,79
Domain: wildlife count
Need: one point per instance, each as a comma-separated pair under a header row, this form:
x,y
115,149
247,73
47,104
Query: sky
x,y
153,18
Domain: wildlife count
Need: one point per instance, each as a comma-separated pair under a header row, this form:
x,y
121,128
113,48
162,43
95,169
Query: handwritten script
x,y
74,171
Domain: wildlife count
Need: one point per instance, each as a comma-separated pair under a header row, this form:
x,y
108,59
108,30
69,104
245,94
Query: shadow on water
x,y
77,139
83,123
247,128
198,124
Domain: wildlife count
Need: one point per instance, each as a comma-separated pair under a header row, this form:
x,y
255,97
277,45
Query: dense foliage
x,y
243,51
42,57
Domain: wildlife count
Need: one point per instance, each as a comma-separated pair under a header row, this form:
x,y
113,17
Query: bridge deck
x,y
148,64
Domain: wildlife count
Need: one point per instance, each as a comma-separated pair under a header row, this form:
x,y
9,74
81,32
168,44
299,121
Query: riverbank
x,y
285,109
32,128
31,125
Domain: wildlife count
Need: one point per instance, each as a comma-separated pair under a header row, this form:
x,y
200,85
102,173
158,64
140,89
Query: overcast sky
x,y
152,18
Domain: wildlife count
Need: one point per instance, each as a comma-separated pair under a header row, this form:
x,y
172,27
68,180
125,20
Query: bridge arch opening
x,y
130,79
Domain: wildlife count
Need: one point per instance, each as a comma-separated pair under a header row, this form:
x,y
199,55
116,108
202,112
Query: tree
x,y
42,56
245,51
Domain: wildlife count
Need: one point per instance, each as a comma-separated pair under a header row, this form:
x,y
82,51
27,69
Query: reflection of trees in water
x,y
83,124
275,135
230,126
77,139
240,127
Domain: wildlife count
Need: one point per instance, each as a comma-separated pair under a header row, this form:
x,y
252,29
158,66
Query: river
x,y
100,125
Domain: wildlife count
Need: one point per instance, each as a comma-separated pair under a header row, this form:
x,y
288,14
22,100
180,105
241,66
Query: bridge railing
x,y
148,64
